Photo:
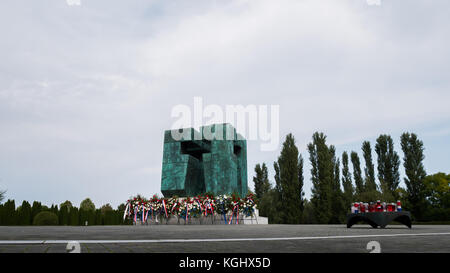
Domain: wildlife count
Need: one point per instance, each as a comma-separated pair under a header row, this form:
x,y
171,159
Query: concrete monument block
x,y
212,160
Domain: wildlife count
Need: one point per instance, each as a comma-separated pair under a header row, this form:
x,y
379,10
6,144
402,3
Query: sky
x,y
86,91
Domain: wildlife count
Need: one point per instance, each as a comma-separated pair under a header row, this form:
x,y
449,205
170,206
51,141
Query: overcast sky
x,y
86,91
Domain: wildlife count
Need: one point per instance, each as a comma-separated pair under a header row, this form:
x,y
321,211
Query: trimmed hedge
x,y
45,218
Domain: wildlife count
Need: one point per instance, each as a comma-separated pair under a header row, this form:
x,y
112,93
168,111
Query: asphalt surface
x,y
226,239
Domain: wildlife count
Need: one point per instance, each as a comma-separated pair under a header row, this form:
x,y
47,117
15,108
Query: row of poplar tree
x,y
335,187
65,213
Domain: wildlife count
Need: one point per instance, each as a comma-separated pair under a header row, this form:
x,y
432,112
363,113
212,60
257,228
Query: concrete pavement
x,y
225,239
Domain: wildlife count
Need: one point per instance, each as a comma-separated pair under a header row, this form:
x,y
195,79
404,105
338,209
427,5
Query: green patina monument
x,y
212,160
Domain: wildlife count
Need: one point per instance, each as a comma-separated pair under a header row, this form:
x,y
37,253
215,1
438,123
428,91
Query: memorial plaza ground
x,y
225,239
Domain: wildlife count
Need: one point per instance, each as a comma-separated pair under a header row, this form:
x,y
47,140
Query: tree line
x,y
65,214
339,180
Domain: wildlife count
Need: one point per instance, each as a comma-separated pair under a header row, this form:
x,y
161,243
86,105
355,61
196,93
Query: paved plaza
x,y
225,239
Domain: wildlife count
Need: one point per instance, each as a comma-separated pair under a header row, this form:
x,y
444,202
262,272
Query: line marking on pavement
x,y
26,242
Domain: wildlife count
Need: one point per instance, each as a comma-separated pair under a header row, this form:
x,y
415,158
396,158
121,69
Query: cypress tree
x,y
114,217
19,216
64,213
91,217
24,214
107,212
74,217
87,212
98,217
309,216
83,216
54,209
415,171
119,216
337,204
35,209
9,213
120,212
274,200
63,216
347,182
87,204
371,192
289,182
388,167
66,203
261,180
369,169
322,177
359,183
87,216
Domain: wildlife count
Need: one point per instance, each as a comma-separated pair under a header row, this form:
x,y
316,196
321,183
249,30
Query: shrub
x,y
45,218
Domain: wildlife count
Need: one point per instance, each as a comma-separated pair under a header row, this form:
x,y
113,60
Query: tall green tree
x,y
87,212
87,204
309,216
67,204
74,217
107,214
270,206
24,214
261,180
274,198
338,209
415,172
64,213
437,192
388,167
370,192
322,177
35,209
9,213
347,184
54,209
288,181
359,183
63,217
83,216
99,217
369,169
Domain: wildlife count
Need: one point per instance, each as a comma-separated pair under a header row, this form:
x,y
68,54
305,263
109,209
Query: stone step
x,y
206,220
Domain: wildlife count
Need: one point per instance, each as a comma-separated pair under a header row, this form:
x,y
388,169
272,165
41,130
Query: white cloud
x,y
373,2
86,92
